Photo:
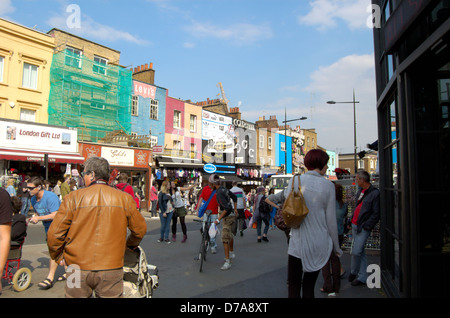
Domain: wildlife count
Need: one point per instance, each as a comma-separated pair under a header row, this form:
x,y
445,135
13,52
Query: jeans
x,y
359,258
165,225
212,240
26,202
259,225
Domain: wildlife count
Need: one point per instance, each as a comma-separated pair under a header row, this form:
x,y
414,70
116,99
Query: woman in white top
x,y
311,244
180,210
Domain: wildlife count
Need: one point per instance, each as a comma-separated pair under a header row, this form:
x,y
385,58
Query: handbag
x,y
279,221
294,208
202,208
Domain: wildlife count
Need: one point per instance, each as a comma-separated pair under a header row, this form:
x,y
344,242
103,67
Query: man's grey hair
x,y
363,175
98,165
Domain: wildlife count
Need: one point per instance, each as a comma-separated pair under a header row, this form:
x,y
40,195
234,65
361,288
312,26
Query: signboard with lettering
x,y
19,135
144,90
118,156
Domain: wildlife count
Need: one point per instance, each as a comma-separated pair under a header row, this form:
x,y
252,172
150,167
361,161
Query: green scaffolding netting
x,y
92,96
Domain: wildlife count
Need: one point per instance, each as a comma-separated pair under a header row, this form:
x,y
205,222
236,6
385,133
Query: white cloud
x,y
325,14
336,82
93,30
6,8
238,33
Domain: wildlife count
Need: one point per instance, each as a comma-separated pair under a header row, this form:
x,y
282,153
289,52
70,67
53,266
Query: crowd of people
x,y
313,247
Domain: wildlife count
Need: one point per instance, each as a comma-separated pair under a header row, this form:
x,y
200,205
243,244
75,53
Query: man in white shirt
x,y
241,201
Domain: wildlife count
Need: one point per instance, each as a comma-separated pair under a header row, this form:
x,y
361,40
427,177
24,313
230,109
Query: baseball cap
x,y
214,179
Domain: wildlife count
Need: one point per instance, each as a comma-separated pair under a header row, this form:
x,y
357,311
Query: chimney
x,y
145,74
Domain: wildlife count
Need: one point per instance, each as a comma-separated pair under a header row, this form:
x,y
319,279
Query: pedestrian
x,y
259,216
154,200
24,194
213,207
333,271
45,205
276,200
10,187
126,187
241,203
313,241
166,211
57,189
179,210
89,233
65,187
228,214
364,218
5,228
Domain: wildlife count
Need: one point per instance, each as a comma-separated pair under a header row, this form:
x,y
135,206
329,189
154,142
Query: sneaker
x,y
264,238
226,266
160,240
213,250
168,242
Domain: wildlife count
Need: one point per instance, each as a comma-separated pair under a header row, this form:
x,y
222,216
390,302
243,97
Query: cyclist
x,y
213,207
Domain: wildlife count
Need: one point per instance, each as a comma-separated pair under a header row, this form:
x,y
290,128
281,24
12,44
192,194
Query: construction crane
x,y
224,98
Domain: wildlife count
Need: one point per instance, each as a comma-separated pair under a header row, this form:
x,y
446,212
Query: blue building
x,y
280,152
148,109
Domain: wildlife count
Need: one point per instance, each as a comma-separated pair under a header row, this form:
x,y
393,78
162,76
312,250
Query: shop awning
x,y
34,156
173,162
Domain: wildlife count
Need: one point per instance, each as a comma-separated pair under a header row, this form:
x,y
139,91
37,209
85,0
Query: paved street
x,y
258,271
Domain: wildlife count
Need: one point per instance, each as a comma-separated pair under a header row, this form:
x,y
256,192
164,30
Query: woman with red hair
x,y
311,244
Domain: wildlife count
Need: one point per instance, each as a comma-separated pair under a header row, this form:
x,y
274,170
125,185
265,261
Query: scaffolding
x,y
92,96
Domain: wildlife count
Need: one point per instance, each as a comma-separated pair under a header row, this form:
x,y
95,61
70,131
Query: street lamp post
x,y
354,102
285,137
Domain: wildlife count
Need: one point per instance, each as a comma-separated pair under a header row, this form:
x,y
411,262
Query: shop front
x,y
135,162
37,150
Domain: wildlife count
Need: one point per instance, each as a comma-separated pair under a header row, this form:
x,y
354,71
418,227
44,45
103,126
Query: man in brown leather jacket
x,y
89,234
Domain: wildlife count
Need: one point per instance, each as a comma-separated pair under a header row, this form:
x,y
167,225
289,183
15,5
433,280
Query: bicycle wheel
x,y
203,249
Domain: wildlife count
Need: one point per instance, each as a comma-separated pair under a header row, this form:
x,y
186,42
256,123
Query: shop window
x,y
30,76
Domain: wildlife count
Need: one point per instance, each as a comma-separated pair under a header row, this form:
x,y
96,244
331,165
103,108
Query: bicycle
x,y
205,239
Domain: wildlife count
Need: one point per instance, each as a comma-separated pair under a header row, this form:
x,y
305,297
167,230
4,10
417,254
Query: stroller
x,y
139,277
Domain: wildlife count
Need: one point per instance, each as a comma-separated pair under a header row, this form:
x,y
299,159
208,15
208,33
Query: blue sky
x,y
268,55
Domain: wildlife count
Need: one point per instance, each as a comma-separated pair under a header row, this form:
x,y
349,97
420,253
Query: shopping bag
x,y
294,208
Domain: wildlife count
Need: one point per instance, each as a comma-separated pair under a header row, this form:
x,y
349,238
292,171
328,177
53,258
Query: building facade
x,y
89,89
25,61
412,60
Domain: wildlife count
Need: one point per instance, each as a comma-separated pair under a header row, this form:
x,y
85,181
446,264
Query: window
x,y
176,119
30,76
153,141
269,143
193,150
361,164
2,59
73,57
261,141
134,105
99,65
312,145
27,115
154,109
193,123
176,145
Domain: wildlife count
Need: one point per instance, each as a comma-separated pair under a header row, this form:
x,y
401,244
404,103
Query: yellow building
x,y
25,61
